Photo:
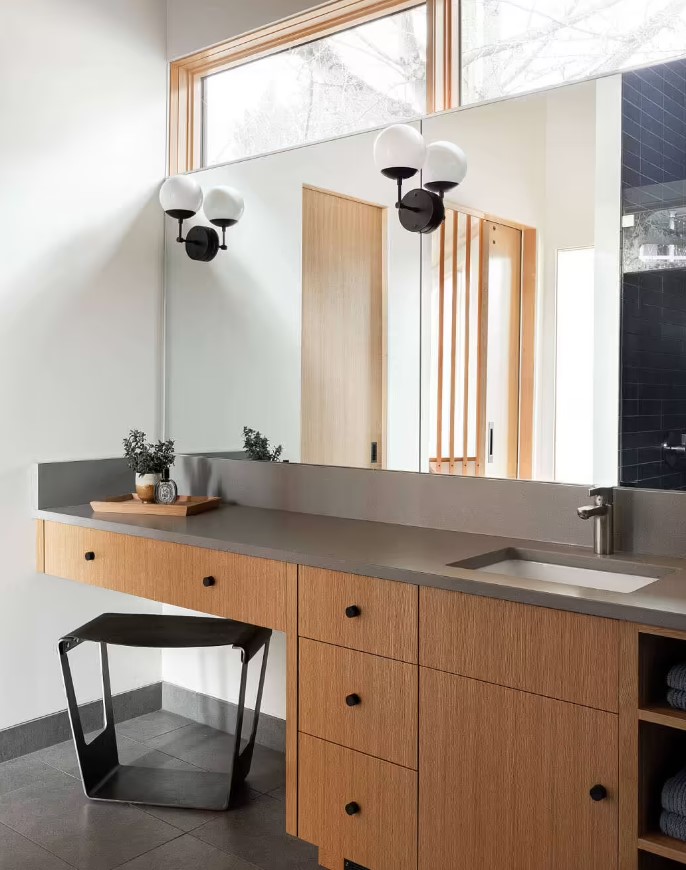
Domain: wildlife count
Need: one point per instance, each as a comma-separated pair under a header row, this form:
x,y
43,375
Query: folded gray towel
x,y
676,677
673,825
674,795
676,698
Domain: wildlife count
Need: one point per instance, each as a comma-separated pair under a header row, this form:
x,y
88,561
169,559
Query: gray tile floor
x,y
46,822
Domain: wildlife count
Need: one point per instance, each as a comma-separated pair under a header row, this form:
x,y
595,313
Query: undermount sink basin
x,y
584,571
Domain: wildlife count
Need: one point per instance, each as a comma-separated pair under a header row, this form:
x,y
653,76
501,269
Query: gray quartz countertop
x,y
409,554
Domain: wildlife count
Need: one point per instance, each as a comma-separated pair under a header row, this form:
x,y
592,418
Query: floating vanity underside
x,y
426,700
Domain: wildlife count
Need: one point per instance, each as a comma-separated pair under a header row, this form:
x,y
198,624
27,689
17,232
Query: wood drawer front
x,y
386,625
247,589
383,724
562,655
383,834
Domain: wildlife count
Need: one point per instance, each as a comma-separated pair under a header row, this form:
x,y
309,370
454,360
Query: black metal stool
x,y
104,778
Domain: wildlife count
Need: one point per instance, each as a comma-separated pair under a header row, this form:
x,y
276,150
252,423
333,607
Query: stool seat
x,y
170,632
103,777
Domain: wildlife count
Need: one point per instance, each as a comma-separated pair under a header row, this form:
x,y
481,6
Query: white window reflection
x,y
355,80
512,46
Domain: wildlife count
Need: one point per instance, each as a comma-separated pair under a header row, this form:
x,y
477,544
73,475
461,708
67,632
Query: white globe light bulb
x,y
399,151
445,167
224,206
181,197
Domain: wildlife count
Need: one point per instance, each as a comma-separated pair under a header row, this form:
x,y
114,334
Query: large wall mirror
x,y
514,341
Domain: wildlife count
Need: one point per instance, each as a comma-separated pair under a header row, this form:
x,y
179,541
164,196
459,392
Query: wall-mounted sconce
x,y
181,197
400,153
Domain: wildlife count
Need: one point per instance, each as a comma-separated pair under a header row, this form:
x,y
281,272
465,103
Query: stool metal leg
x,y
243,759
99,759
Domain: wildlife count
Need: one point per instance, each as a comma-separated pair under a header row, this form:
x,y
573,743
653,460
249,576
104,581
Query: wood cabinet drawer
x,y
382,614
359,700
244,588
382,833
548,652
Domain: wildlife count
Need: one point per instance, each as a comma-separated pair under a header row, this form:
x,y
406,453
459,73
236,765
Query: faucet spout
x,y
602,514
593,510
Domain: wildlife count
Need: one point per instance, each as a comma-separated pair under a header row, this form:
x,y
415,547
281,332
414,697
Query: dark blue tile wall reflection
x,y
654,125
653,303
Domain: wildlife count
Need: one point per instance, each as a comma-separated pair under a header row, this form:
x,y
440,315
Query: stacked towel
x,y
673,825
676,698
674,794
673,798
676,686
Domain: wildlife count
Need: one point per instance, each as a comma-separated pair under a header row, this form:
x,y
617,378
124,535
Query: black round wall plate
x,y
421,211
202,243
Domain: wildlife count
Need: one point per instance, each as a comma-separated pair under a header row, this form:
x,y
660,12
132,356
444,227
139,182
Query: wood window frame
x,y
186,75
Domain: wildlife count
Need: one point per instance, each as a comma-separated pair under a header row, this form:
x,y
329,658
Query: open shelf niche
x,y
661,746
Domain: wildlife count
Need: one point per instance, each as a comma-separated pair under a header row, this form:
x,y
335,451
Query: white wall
x,y
569,223
81,156
196,24
607,281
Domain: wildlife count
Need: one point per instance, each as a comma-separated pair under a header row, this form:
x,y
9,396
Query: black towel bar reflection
x,y
103,777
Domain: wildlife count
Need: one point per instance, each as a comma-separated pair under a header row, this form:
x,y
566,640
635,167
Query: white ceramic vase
x,y
145,487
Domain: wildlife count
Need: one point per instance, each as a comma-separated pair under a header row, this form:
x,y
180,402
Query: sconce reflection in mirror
x,y
400,153
181,198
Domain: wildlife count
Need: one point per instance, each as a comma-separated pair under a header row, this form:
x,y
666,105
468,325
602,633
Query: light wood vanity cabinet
x,y
357,777
435,729
240,587
518,725
505,779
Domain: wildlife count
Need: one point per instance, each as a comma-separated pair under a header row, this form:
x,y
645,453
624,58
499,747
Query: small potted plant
x,y
258,448
149,461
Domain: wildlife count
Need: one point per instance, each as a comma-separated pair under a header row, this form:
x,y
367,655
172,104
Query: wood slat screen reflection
x,y
459,288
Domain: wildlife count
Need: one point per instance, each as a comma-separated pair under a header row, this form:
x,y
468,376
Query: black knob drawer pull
x,y
208,581
353,700
89,556
598,793
352,611
352,808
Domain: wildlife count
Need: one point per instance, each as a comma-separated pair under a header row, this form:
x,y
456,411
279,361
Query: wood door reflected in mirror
x,y
482,311
343,329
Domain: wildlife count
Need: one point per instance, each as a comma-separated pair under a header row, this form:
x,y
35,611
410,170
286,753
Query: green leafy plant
x,y
147,458
257,446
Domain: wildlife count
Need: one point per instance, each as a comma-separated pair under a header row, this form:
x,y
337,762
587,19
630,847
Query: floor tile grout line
x,y
39,780
38,845
35,782
155,736
59,769
142,807
226,852
148,851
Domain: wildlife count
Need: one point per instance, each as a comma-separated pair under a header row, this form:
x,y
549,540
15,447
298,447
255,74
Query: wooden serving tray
x,y
184,506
